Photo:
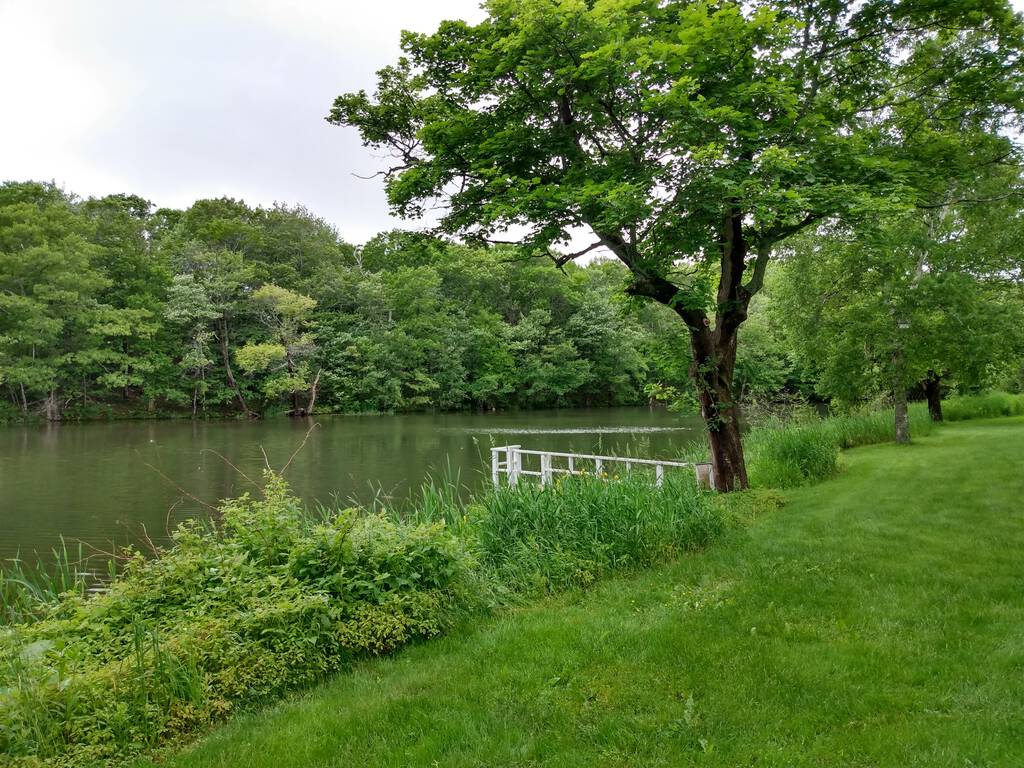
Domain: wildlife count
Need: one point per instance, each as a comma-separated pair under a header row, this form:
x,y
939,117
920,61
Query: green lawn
x,y
876,620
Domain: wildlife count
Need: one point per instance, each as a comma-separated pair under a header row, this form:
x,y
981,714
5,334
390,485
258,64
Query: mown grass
x,y
875,621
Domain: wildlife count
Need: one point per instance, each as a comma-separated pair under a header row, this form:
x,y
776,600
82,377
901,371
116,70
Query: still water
x,y
102,483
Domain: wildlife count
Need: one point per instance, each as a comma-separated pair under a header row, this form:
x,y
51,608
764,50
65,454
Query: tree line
x,y
109,306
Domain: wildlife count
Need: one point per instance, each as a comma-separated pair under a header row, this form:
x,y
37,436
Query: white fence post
x,y
598,466
659,475
495,461
513,461
545,469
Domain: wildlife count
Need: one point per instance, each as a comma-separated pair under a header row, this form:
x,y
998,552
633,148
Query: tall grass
x,y
785,454
547,540
986,406
27,588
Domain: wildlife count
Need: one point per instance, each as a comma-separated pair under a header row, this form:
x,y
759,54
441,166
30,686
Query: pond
x,y
107,482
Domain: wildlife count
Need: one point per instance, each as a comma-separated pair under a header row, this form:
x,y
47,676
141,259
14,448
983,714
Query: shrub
x,y
268,599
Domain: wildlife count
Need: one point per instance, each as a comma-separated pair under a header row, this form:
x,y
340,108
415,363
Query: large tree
x,y
689,137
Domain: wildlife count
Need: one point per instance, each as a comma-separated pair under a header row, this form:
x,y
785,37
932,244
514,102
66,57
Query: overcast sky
x,y
177,100
183,99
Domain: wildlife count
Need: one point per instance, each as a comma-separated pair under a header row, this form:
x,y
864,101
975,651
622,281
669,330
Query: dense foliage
x,y
926,299
110,307
271,597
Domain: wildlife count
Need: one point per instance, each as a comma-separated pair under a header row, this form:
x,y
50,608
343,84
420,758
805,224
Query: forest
x,y
114,308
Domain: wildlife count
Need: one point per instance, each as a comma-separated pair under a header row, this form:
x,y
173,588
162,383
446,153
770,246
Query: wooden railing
x,y
581,464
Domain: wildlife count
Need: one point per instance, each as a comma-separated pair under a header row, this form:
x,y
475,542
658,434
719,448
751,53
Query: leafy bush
x,y
267,599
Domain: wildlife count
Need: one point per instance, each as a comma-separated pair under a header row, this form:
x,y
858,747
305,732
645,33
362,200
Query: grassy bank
x,y
805,449
271,598
875,621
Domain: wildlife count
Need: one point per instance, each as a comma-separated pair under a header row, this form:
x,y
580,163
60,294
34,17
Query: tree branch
x,y
561,259
756,282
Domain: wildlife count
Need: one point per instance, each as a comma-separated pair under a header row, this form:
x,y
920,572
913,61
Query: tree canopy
x,y
110,307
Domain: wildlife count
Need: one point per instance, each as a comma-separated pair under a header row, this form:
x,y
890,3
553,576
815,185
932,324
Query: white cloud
x,y
177,101
201,98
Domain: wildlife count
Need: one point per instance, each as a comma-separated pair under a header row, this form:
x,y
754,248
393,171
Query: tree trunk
x,y
51,407
714,351
290,366
899,398
228,373
124,389
933,391
312,393
712,372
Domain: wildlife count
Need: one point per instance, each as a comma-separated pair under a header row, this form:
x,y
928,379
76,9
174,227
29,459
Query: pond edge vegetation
x,y
271,597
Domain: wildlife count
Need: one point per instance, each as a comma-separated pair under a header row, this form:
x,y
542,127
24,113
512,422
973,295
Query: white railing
x,y
581,464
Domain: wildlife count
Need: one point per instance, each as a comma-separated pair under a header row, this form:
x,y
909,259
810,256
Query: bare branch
x,y
224,459
561,259
178,488
312,426
972,200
